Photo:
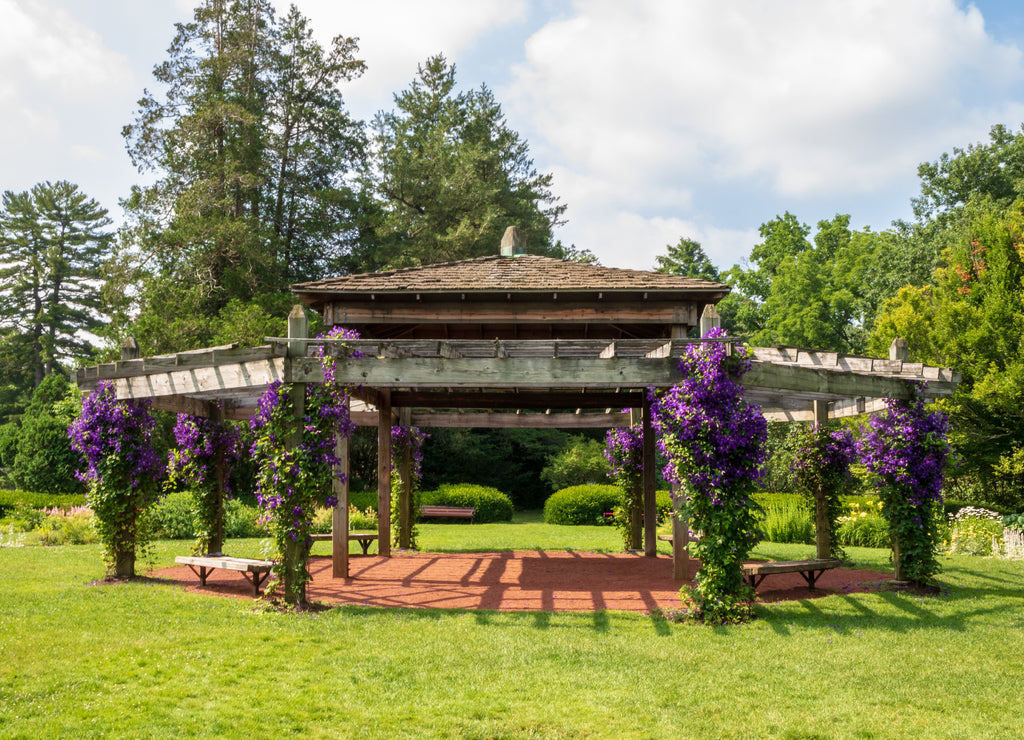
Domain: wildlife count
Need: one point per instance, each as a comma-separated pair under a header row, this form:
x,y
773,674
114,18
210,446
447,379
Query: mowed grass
x,y
145,659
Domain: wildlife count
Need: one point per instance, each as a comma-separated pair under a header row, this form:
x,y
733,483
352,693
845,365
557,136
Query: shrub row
x,y
172,518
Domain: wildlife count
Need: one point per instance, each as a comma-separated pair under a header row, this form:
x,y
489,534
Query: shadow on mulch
x,y
517,581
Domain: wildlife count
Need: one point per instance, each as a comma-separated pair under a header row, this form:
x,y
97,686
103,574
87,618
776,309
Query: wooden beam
x,y
504,312
516,399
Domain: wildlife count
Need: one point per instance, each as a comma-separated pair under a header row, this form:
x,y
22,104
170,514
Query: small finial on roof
x,y
513,243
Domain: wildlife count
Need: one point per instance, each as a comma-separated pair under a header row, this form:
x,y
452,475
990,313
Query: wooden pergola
x,y
509,341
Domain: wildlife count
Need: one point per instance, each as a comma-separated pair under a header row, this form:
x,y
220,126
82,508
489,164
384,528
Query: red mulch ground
x,y
513,581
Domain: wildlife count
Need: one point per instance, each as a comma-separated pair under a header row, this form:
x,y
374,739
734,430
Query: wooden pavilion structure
x,y
510,340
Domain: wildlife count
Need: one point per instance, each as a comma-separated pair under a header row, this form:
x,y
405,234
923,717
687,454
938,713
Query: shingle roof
x,y
496,273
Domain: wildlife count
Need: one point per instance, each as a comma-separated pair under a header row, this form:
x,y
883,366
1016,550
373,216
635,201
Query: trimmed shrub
x,y
580,463
582,504
491,504
242,520
172,517
363,500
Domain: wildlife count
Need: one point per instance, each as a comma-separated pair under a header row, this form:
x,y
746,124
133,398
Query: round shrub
x,y
581,504
241,520
491,504
172,517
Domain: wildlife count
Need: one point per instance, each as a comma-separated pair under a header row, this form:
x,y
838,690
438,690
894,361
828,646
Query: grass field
x,y
144,659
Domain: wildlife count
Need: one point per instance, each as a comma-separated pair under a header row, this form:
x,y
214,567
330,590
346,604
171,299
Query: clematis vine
x,y
122,470
715,445
624,453
406,441
297,463
906,448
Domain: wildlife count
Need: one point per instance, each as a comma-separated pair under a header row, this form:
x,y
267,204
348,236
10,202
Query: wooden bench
x,y
363,538
255,571
811,570
447,512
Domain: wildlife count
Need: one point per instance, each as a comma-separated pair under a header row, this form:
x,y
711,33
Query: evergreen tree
x,y
53,242
451,176
688,258
253,152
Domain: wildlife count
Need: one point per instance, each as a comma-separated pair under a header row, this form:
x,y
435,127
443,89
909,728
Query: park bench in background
x,y
363,538
255,571
447,512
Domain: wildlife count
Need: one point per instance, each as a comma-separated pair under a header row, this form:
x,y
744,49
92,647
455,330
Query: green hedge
x,y
491,504
9,500
584,504
172,518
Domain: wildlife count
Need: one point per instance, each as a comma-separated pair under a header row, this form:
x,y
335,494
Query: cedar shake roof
x,y
527,272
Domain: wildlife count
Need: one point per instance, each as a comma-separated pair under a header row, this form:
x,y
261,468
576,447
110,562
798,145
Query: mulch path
x,y
517,581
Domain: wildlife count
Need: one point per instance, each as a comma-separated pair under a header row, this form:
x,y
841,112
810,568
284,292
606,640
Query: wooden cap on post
x,y
298,328
899,350
709,319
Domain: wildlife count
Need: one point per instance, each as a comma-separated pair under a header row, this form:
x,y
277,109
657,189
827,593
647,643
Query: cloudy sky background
x,y
659,119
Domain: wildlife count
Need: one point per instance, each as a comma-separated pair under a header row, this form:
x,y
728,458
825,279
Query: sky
x,y
658,119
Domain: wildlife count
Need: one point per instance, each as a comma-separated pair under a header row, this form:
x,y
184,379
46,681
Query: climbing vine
x,y
624,452
906,449
715,445
122,471
821,469
297,463
207,451
406,441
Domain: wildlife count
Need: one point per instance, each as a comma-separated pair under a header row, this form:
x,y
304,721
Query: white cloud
x,y
815,93
395,36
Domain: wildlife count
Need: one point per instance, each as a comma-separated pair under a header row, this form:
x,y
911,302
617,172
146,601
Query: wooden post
x,y
298,328
405,494
680,540
384,473
709,319
650,503
636,509
822,533
130,349
899,350
340,488
216,544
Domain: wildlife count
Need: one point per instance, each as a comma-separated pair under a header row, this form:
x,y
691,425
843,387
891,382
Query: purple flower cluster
x,y
411,439
825,455
624,451
111,432
713,439
715,444
200,441
907,448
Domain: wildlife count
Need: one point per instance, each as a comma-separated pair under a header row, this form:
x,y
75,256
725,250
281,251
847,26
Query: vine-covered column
x,y
906,449
406,470
624,452
297,464
122,471
207,449
821,469
715,444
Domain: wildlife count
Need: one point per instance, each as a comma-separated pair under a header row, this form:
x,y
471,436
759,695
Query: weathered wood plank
x,y
509,313
252,375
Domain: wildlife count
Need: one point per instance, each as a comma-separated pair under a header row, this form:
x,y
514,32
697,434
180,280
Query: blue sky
x,y
695,118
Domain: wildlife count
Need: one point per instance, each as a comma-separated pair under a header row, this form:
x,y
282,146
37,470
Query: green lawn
x,y
148,660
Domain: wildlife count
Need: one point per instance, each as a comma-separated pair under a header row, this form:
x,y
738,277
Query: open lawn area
x,y
145,659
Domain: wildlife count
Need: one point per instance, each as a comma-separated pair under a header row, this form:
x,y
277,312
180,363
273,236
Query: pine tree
x,y
54,242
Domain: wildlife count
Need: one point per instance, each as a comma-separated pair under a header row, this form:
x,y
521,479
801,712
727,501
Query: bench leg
x,y
754,580
203,573
365,544
811,577
256,579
